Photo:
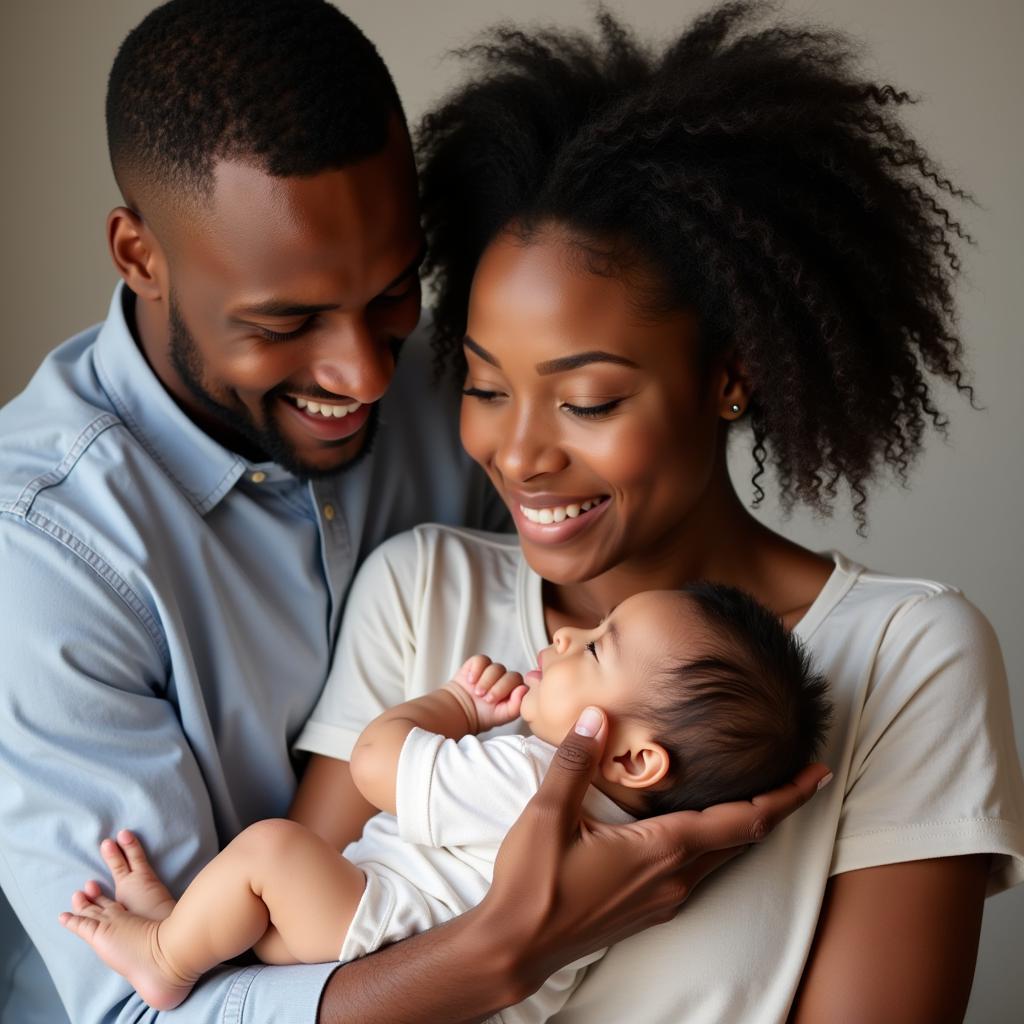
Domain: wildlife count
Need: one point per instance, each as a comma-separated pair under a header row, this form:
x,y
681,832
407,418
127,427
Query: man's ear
x,y
635,763
137,254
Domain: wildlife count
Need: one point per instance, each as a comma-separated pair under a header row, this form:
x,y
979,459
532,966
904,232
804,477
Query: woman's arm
x,y
329,803
896,943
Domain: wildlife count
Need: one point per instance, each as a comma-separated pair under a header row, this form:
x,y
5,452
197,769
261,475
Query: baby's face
x,y
608,666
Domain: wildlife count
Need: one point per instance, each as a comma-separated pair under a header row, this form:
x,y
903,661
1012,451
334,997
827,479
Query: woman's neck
x,y
719,541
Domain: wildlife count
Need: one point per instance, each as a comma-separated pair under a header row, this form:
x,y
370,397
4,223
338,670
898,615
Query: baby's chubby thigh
x,y
309,889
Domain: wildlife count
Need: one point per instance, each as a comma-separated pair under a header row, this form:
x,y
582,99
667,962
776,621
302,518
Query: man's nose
x,y
352,362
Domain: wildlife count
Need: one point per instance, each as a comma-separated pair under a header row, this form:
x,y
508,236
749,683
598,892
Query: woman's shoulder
x,y
855,593
432,538
432,556
901,623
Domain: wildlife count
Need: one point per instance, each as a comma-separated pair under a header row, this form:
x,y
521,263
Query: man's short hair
x,y
292,86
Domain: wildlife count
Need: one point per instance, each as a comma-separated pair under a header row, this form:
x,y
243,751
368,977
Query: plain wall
x,y
960,519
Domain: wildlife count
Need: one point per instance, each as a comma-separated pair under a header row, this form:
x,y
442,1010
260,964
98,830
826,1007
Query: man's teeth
x,y
559,513
329,410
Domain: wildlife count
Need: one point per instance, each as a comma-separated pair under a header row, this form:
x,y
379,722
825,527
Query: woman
x,y
654,251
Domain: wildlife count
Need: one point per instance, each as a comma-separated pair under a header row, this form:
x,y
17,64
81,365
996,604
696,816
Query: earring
x,y
736,408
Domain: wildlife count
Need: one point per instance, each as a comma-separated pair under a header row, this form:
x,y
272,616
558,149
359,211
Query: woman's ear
x,y
635,763
734,391
137,254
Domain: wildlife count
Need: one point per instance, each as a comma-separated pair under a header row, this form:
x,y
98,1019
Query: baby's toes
x,y
83,927
132,849
80,900
114,857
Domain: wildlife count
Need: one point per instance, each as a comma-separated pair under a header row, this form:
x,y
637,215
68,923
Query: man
x,y
185,493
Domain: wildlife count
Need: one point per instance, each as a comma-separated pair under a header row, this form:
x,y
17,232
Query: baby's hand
x,y
496,693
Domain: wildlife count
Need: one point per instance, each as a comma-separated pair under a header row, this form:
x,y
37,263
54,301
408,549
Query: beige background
x,y
960,520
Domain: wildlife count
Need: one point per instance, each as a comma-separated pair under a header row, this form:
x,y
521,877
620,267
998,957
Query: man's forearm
x,y
458,973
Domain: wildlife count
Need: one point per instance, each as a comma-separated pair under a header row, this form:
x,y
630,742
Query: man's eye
x,y
270,335
397,295
592,647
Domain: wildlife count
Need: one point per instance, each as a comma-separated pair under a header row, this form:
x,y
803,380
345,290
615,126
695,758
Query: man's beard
x,y
266,438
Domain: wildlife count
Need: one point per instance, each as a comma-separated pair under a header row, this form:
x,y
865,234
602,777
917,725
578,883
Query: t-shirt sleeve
x,y
934,770
462,792
374,650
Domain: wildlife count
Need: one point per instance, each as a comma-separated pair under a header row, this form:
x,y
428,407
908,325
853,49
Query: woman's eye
x,y
591,410
591,646
484,396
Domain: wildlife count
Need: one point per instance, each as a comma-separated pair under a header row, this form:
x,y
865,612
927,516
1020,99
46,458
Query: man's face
x,y
288,300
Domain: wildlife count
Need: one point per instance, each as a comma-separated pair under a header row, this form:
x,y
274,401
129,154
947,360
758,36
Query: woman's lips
x,y
556,533
325,428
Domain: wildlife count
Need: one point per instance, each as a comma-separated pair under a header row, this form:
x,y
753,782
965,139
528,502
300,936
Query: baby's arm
x,y
481,695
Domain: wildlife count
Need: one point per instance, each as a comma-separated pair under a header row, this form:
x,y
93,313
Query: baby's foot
x,y
129,943
136,886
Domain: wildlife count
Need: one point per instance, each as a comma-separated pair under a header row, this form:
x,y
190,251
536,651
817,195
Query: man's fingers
x,y
565,784
746,821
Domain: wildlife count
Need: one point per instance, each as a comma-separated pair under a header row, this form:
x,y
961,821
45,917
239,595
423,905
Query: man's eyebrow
x,y
480,351
285,307
582,359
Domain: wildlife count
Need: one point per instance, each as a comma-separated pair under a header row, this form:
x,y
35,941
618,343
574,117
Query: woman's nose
x,y
528,450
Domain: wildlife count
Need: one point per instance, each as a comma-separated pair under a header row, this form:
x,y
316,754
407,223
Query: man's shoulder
x,y
47,428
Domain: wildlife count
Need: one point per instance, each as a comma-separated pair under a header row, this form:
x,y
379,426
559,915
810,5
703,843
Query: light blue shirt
x,y
167,618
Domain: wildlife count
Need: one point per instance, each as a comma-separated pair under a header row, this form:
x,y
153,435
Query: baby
x,y
708,700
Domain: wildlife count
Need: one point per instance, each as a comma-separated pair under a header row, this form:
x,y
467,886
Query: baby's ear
x,y
635,763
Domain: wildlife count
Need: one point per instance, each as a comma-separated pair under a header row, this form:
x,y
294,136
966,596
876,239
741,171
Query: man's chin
x,y
325,458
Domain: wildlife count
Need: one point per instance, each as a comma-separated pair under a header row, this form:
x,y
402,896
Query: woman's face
x,y
591,417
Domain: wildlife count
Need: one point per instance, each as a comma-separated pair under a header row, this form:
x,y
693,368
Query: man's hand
x,y
488,692
564,887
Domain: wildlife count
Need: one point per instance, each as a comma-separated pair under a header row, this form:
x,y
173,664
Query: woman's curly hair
x,y
770,188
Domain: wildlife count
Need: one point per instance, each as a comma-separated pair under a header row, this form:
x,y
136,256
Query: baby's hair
x,y
742,717
761,180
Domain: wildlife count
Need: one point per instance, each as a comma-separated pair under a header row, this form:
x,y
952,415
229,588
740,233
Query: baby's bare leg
x,y
276,872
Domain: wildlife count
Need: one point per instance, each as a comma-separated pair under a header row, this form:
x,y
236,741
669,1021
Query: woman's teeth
x,y
329,410
558,513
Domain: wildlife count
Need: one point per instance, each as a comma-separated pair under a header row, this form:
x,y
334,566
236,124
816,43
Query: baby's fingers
x,y
503,687
471,671
488,678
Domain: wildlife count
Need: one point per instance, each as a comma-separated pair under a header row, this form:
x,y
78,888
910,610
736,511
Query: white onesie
x,y
433,860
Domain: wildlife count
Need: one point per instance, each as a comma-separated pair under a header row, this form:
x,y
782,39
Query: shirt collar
x,y
204,469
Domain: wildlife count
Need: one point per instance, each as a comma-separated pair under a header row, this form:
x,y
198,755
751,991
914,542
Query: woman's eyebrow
x,y
480,351
582,359
560,365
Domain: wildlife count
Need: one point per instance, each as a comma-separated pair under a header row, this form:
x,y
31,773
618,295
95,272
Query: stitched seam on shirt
x,y
237,994
109,575
61,470
925,826
202,505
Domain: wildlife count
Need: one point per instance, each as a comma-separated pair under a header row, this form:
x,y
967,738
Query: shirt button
x,y
328,512
258,477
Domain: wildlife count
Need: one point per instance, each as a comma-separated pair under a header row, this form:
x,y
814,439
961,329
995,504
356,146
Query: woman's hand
x,y
564,887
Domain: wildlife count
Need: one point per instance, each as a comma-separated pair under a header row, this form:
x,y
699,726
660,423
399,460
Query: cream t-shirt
x,y
922,750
